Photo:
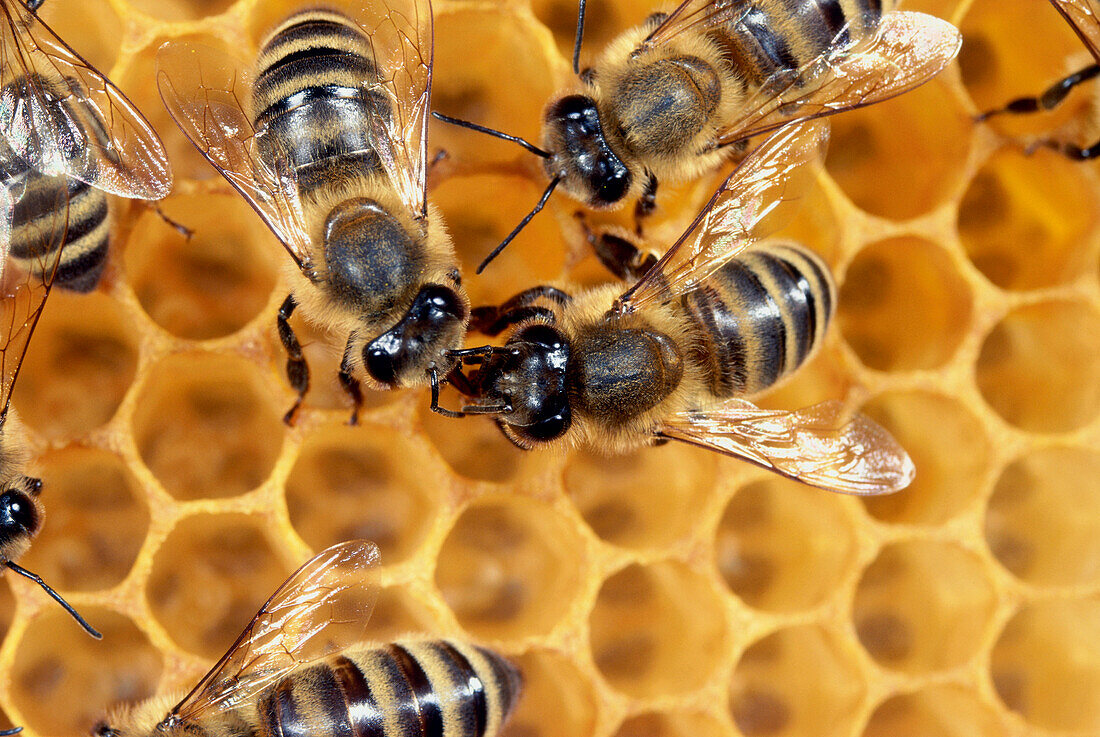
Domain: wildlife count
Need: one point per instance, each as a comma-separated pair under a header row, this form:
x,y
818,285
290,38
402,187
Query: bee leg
x,y
1049,99
646,204
493,320
297,370
435,398
621,257
350,383
180,228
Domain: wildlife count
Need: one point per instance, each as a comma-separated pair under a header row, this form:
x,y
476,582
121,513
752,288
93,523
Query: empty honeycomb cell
x,y
657,629
213,283
782,546
217,407
96,520
94,23
923,606
398,614
552,685
677,724
63,682
182,10
936,711
209,577
927,128
78,367
510,567
473,447
629,500
903,305
774,692
1039,368
364,482
1046,664
1024,219
1042,523
948,445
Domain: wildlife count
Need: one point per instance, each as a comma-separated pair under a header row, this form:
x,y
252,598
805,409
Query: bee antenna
x,y
56,597
13,730
492,132
522,224
577,42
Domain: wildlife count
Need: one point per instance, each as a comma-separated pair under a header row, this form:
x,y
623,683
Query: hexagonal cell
x,y
473,447
900,158
1046,666
92,28
903,305
182,10
1039,368
63,681
949,447
647,640
96,520
630,500
81,361
797,681
212,284
782,546
673,724
935,711
923,606
210,577
510,567
364,482
1043,520
552,685
398,614
1024,219
209,406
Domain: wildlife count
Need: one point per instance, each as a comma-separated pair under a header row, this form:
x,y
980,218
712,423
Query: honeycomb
x,y
669,593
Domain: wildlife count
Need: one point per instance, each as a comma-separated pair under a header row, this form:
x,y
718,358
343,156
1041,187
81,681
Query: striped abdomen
x,y
438,688
782,36
311,95
760,317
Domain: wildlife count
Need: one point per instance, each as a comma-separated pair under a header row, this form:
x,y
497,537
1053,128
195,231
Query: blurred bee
x,y
672,356
1082,16
326,139
669,99
292,672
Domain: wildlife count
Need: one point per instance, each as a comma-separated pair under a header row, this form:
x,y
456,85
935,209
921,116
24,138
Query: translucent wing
x,y
25,285
1082,15
906,51
698,14
820,445
63,117
320,610
753,202
207,93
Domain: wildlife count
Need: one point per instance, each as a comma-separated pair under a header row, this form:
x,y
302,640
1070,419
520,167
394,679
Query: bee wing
x,y
698,14
1082,15
23,291
822,445
401,37
753,202
63,117
320,610
204,90
906,51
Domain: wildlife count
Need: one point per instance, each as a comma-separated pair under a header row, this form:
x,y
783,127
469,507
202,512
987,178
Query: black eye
x,y
549,428
378,357
543,335
16,510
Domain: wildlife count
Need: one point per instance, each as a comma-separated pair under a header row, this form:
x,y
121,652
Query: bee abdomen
x,y
412,689
760,317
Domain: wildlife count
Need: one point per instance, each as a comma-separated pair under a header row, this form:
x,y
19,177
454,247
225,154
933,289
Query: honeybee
x,y
68,138
325,136
669,99
1082,16
292,671
673,355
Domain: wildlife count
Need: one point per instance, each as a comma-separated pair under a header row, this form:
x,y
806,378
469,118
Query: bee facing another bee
x,y
671,356
669,99
295,670
328,145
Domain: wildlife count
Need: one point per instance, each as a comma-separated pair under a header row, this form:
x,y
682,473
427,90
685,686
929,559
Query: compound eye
x,y
443,300
549,428
378,358
543,335
17,510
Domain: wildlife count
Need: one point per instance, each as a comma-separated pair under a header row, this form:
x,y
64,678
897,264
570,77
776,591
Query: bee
x,y
1082,16
325,136
293,671
672,98
673,356
68,136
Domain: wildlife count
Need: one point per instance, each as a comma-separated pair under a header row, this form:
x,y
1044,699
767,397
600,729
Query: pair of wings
x,y
1082,15
322,609
823,445
906,50
208,93
54,103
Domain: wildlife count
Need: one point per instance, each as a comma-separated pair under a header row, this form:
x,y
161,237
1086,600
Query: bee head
x,y
432,326
580,153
